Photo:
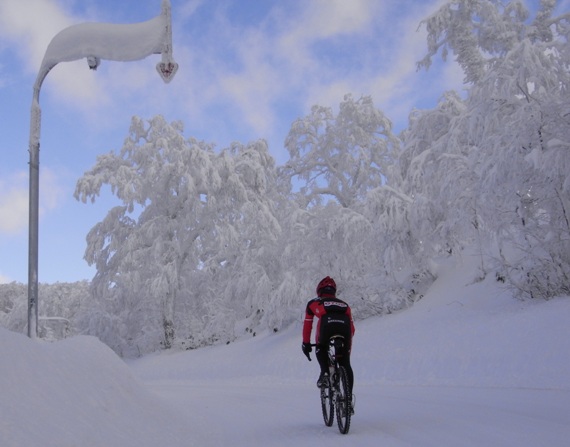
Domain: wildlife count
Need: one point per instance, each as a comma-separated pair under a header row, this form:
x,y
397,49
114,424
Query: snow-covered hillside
x,y
467,365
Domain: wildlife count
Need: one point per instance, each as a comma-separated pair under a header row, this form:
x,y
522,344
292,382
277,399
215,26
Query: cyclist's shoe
x,y
352,404
323,380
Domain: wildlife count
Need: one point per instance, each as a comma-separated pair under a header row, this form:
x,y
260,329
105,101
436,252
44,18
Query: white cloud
x,y
29,27
275,58
4,279
301,54
321,21
240,74
255,84
187,9
385,50
329,18
51,192
14,204
14,199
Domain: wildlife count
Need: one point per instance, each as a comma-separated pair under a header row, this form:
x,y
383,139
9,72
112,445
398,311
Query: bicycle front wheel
x,y
343,402
327,404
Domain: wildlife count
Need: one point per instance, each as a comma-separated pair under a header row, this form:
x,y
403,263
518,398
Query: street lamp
x,y
93,41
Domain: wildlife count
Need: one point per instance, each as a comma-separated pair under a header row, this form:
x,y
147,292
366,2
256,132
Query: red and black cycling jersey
x,y
319,307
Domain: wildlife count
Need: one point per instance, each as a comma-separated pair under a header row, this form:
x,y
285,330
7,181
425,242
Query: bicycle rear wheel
x,y
327,404
343,402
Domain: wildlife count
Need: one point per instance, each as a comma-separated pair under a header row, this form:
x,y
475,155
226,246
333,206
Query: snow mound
x,y
468,332
74,392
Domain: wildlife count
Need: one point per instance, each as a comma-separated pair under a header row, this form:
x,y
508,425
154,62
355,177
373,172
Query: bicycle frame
x,y
336,342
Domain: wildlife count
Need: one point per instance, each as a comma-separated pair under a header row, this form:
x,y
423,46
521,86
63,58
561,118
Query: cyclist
x,y
335,318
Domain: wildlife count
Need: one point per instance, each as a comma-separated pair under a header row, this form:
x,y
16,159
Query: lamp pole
x,y
94,42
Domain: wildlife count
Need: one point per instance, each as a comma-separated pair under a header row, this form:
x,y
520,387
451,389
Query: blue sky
x,y
248,69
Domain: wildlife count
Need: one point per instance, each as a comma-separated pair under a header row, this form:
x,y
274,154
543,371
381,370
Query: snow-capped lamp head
x,y
93,62
326,288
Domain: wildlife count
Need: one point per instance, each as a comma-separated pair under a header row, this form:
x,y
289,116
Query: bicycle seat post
x,y
332,359
337,343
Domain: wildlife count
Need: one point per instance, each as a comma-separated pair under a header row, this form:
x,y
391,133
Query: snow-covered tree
x,y
532,88
343,169
343,156
243,275
187,213
436,146
478,32
60,313
510,143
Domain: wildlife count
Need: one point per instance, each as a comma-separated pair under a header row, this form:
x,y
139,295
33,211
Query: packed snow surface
x,y
468,365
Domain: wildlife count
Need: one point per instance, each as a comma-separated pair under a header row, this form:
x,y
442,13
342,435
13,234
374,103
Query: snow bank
x,y
75,392
467,333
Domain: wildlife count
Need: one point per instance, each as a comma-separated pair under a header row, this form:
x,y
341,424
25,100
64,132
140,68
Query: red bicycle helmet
x,y
326,285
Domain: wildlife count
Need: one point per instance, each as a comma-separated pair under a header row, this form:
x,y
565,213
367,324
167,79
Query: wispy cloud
x,y
300,55
52,194
247,75
14,199
14,204
4,279
28,27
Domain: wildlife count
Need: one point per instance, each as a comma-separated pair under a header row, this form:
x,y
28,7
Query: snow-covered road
x,y
466,366
226,413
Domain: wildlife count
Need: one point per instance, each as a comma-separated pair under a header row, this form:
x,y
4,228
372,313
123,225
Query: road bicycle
x,y
335,393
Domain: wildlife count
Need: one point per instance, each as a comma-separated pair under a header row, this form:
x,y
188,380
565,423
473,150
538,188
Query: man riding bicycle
x,y
335,318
